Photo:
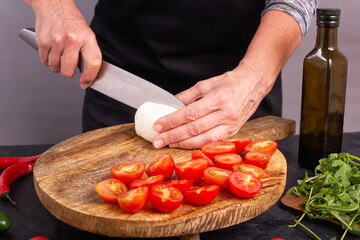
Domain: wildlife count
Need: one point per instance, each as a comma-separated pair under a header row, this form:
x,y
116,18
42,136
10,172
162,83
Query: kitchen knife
x,y
117,83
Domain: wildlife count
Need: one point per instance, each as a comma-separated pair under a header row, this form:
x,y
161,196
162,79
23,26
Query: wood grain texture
x,y
65,177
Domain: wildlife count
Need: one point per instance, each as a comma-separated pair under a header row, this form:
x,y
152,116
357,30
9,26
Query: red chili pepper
x,y
10,174
8,161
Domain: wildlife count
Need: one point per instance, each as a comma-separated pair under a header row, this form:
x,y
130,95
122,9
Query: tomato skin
x,y
227,161
181,184
244,185
253,170
128,171
193,169
198,154
134,200
277,239
163,165
146,182
219,147
260,159
202,195
240,143
39,238
217,176
262,145
165,198
110,189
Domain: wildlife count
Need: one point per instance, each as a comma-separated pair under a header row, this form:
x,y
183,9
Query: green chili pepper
x,y
4,223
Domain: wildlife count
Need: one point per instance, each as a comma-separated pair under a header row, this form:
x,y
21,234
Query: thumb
x,y
91,54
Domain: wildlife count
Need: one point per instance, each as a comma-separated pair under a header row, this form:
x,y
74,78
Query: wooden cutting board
x,y
65,177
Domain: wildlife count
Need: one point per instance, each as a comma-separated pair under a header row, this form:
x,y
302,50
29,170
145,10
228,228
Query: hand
x,y
62,33
215,109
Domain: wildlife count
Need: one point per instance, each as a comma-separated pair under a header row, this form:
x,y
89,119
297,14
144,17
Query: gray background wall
x,y
39,107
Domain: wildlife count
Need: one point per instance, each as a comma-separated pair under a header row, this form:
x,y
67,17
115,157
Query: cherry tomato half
x,y
227,161
244,185
163,165
146,182
128,171
39,238
192,169
202,195
181,184
253,170
165,198
215,148
217,176
198,154
260,159
262,145
134,200
240,143
110,189
277,239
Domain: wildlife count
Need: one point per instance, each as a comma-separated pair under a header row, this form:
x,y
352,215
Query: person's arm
x,y
216,108
62,33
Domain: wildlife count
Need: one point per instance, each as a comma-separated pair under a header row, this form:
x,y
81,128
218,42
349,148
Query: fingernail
x,y
84,85
158,143
159,127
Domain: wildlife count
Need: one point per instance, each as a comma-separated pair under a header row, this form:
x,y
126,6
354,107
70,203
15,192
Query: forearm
x,y
275,40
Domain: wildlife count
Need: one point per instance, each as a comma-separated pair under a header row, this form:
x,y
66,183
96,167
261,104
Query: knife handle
x,y
29,36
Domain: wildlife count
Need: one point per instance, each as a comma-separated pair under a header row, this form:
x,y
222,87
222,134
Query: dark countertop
x,y
29,218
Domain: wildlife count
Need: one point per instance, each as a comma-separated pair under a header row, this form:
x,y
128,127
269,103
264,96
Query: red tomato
x,y
198,154
128,171
202,195
110,189
163,165
192,169
253,170
181,184
215,148
244,185
39,238
227,161
262,145
134,200
240,143
147,182
277,239
260,159
217,176
165,198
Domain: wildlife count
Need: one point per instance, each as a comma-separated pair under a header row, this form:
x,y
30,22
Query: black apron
x,y
174,44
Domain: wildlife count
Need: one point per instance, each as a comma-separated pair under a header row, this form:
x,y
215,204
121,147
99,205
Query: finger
x,y
195,92
69,61
190,129
55,58
92,57
215,134
186,114
44,42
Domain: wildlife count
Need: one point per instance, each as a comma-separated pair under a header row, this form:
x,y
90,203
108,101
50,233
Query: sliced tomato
x,y
253,170
181,184
134,200
227,161
240,143
110,189
219,147
217,176
260,159
165,198
163,165
147,182
192,169
128,171
244,185
202,195
198,154
262,145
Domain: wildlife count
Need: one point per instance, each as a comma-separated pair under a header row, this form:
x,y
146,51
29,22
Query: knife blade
x,y
117,83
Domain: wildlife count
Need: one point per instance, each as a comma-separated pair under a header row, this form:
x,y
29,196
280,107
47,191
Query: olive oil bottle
x,y
323,93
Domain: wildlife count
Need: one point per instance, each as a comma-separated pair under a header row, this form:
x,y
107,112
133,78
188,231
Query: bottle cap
x,y
328,17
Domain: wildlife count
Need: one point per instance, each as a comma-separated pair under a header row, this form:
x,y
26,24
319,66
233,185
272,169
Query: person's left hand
x,y
215,109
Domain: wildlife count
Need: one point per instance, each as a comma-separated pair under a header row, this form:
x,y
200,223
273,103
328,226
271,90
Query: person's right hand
x,y
62,34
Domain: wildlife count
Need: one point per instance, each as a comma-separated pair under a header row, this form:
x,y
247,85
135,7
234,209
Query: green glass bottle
x,y
323,93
